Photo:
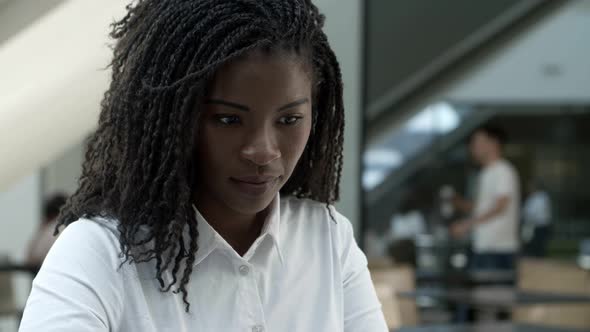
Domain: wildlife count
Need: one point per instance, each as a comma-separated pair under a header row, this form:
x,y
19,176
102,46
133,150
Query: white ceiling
x,y
547,64
51,83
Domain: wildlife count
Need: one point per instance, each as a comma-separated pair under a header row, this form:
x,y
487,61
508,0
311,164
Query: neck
x,y
239,230
492,158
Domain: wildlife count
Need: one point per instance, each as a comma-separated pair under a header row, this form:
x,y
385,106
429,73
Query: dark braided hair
x,y
140,163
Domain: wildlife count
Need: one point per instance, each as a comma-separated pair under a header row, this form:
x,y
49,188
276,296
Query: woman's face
x,y
254,125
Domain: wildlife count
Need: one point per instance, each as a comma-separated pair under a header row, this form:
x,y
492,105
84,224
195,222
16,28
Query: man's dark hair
x,y
52,206
139,163
496,133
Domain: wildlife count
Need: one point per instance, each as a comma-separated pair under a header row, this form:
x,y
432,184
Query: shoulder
x,y
503,168
90,242
506,166
96,230
81,281
304,209
541,197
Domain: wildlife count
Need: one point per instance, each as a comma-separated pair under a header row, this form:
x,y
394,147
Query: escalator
x,y
410,121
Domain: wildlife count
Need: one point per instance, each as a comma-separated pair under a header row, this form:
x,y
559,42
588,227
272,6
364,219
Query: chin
x,y
248,202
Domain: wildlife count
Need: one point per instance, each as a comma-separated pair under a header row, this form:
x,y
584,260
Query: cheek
x,y
480,148
293,145
214,150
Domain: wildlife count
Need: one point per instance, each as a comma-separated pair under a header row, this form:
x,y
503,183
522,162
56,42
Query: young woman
x,y
205,199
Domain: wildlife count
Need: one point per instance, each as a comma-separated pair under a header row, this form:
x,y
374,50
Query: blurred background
x,y
421,76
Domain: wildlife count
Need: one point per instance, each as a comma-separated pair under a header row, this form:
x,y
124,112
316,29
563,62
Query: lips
x,y
254,185
256,179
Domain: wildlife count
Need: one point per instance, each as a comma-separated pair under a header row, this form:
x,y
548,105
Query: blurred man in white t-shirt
x,y
494,214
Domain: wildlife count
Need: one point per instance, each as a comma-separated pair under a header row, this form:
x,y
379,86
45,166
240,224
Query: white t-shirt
x,y
304,273
537,209
499,234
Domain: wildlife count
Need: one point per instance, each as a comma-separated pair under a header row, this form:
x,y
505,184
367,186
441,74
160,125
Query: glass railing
x,y
415,136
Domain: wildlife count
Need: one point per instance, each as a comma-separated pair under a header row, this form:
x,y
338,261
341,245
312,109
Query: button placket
x,y
249,291
244,270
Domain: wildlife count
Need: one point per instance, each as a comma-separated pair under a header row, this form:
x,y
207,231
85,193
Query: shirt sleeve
x,y
362,309
79,287
504,182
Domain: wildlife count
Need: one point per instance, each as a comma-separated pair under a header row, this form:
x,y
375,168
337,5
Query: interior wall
x,y
20,213
344,29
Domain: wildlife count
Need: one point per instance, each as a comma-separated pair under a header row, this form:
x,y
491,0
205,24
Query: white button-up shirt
x,y
304,273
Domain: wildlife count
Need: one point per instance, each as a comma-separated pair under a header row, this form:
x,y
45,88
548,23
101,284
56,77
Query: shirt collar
x,y
209,239
272,225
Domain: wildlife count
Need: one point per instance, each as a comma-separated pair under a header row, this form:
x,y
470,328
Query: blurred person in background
x,y
405,227
536,217
494,214
409,221
206,196
45,236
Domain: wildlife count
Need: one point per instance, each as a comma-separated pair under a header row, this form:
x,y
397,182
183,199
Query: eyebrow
x,y
247,109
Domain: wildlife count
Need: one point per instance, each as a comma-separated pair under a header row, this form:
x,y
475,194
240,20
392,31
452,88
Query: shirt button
x,y
258,328
244,270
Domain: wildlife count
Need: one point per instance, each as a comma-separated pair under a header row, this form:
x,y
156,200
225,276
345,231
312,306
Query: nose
x,y
260,147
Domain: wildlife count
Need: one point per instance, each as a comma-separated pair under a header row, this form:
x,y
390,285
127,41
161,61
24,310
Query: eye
x,y
289,120
228,119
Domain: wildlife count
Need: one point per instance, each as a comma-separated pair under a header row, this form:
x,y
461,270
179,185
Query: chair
x,y
389,305
8,305
389,280
553,276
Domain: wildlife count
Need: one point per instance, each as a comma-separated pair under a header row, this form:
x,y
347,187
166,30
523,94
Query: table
x,y
480,277
503,297
17,267
484,327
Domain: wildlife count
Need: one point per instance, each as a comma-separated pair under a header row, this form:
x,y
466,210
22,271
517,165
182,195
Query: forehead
x,y
261,74
480,136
